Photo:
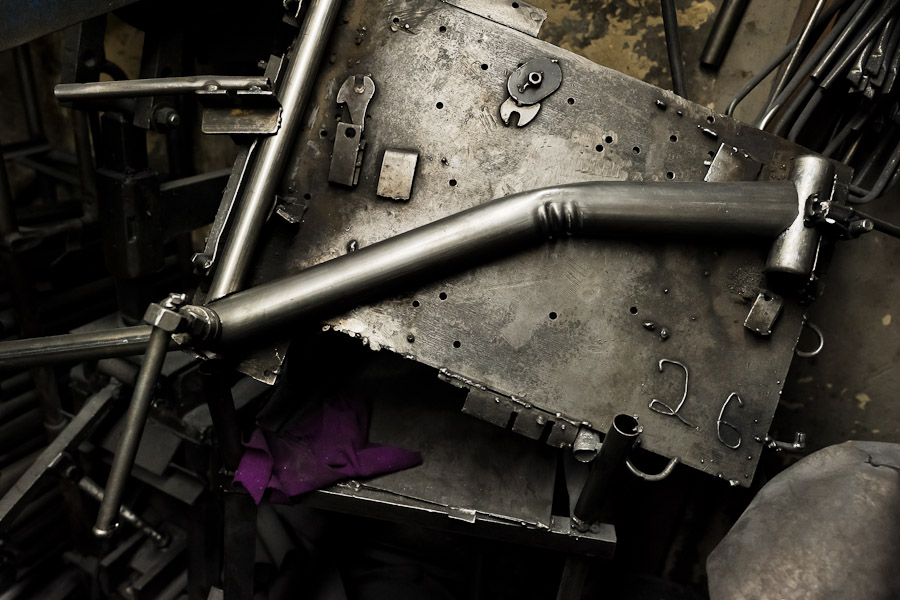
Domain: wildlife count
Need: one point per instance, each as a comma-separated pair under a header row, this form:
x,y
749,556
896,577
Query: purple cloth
x,y
325,447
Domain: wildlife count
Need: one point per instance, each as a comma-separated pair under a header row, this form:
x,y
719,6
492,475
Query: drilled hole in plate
x,y
416,304
442,29
673,138
396,19
670,175
452,183
553,316
515,5
598,148
636,150
633,310
484,67
350,132
457,344
323,134
307,197
571,100
608,139
710,119
442,295
439,105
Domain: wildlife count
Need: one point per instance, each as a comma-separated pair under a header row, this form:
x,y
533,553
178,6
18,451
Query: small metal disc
x,y
524,91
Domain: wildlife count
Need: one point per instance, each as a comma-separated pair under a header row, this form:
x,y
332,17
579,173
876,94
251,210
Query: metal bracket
x,y
513,414
346,159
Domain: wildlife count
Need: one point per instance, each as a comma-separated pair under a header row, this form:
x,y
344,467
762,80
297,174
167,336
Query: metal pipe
x,y
719,40
161,86
503,226
135,419
605,470
256,201
673,46
74,347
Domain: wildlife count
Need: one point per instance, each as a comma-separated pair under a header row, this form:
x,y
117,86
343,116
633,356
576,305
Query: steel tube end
x,y
105,532
627,425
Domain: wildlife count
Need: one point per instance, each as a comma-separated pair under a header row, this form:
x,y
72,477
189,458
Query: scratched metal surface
x,y
493,325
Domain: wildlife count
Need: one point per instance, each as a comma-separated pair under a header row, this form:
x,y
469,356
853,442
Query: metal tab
x,y
397,172
732,164
764,313
346,159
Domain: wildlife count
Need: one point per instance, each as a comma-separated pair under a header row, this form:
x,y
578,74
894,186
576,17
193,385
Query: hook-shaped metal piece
x,y
721,421
653,477
667,410
818,332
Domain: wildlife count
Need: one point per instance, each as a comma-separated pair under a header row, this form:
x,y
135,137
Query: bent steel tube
x,y
495,228
501,227
74,347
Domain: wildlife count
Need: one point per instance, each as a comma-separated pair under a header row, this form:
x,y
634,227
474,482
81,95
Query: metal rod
x,y
794,61
887,172
161,86
221,409
673,46
859,43
503,226
90,487
256,200
605,470
845,23
8,223
719,40
74,347
135,419
25,73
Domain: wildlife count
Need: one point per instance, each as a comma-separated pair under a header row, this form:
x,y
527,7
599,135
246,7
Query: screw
x,y
664,334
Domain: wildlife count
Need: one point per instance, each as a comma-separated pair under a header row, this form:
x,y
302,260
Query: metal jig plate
x,y
559,327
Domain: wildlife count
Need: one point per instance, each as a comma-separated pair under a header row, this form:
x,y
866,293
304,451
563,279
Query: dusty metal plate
x,y
506,478
558,327
520,16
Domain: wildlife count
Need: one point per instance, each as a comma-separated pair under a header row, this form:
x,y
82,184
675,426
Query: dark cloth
x,y
325,447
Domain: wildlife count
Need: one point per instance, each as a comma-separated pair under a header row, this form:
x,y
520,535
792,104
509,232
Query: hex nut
x,y
165,319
